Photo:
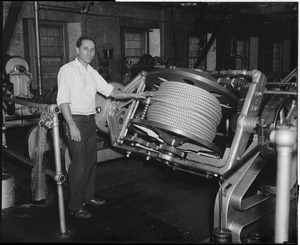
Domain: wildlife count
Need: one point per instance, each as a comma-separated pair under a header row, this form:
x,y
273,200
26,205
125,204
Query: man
x,y
78,84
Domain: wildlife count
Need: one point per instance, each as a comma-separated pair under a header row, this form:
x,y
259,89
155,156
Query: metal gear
x,y
102,108
142,142
170,150
193,77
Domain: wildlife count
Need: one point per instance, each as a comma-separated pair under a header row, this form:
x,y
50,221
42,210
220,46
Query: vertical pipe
x,y
221,234
3,128
285,140
174,34
227,132
162,38
220,207
85,22
38,55
59,177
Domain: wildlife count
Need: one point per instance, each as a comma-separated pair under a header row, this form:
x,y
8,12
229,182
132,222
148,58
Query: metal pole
x,y
59,177
280,92
27,103
38,55
3,128
15,155
285,140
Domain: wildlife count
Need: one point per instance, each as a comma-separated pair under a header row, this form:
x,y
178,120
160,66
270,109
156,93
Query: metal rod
x,y
59,177
281,83
38,55
28,103
280,92
3,128
284,139
14,118
91,13
290,76
27,161
240,163
220,207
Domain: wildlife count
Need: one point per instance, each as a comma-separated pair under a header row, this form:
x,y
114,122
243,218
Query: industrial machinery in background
x,y
17,85
216,125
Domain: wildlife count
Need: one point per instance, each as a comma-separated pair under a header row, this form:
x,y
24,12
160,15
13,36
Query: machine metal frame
x,y
236,169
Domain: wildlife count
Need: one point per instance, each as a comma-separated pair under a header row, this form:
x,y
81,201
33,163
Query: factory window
x,y
240,53
196,47
135,44
52,51
277,56
52,54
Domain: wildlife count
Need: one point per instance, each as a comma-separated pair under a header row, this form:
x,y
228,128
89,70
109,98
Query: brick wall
x,y
103,23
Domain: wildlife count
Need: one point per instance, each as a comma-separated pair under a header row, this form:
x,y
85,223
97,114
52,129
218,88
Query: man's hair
x,y
79,41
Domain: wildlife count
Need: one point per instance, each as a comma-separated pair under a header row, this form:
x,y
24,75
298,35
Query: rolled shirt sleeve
x,y
102,86
64,85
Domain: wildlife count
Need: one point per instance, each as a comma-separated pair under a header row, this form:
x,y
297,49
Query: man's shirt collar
x,y
80,65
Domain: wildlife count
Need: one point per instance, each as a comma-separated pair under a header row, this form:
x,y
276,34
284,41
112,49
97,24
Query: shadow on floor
x,y
146,202
143,204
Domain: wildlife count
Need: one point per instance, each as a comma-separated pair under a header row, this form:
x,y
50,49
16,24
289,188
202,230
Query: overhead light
x,y
188,4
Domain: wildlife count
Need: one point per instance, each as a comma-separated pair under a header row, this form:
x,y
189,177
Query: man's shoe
x,y
80,213
95,201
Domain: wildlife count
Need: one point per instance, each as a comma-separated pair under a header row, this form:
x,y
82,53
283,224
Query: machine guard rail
x,y
58,177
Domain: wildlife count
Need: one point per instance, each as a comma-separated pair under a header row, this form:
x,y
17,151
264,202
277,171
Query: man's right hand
x,y
75,133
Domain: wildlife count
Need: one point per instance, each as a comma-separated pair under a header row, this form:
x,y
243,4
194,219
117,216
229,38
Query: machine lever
x,y
240,163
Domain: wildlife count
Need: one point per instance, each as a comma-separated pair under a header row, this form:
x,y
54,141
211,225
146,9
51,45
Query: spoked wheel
x,y
279,112
286,116
32,143
65,158
103,106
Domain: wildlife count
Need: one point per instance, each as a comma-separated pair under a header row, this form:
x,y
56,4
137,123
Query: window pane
x,y
242,53
277,56
196,46
135,44
52,53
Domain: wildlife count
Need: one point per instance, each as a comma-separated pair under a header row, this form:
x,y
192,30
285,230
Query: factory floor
x,y
146,202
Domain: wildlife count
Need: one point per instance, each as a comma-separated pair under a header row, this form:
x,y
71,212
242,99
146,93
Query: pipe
x,y
28,103
284,139
59,177
79,11
281,92
3,128
38,55
282,83
27,161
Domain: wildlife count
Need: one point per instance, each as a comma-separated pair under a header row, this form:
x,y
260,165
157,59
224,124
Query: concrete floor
x,y
146,202
143,204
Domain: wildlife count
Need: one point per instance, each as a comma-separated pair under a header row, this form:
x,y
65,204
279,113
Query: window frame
x,y
30,48
203,41
278,65
125,29
245,57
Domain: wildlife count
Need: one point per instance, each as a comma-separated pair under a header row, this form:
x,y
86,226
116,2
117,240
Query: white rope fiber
x,y
187,108
8,196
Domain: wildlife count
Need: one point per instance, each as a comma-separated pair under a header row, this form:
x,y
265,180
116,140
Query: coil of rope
x,y
186,107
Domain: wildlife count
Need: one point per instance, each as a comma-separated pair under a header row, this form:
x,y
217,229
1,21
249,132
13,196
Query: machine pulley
x,y
193,77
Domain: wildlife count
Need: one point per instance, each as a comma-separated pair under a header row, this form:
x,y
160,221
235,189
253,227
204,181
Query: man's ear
x,y
77,50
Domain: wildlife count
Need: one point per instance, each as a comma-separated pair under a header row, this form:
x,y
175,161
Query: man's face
x,y
86,51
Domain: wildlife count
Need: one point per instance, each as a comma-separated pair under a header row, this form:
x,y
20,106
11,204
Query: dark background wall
x,y
103,22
